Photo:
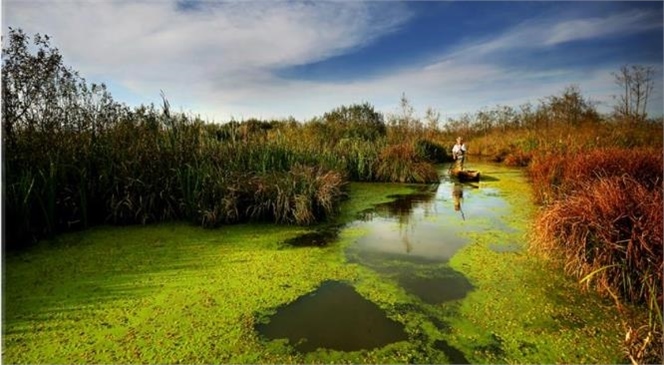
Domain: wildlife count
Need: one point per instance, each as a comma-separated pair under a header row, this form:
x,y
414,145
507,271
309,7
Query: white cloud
x,y
220,60
539,33
623,23
461,80
152,45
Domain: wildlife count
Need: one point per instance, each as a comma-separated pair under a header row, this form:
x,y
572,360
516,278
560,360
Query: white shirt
x,y
459,149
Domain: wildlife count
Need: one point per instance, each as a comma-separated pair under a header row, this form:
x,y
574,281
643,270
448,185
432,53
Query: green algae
x,y
176,293
166,293
523,310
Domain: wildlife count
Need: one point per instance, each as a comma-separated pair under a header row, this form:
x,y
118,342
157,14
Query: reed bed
x,y
516,147
557,175
150,166
613,225
402,163
604,217
433,151
139,174
92,160
356,157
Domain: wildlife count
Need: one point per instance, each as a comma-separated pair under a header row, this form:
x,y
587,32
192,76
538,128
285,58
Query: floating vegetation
x,y
171,293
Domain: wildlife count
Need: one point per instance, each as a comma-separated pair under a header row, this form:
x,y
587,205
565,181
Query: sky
x,y
276,59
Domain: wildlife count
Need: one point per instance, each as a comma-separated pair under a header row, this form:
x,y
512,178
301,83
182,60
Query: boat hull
x,y
466,175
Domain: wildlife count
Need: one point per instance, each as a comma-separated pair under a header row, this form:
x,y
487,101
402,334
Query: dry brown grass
x,y
561,139
604,216
555,175
613,225
402,163
518,158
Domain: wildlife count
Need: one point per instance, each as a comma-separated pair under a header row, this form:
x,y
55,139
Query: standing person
x,y
459,153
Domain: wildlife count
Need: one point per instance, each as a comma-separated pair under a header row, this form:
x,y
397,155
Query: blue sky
x,y
274,59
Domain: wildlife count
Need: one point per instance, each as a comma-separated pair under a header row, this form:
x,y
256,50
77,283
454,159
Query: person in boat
x,y
459,153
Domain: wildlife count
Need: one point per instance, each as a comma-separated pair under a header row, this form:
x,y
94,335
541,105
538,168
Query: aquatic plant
x,y
604,218
402,163
433,151
92,160
614,221
556,175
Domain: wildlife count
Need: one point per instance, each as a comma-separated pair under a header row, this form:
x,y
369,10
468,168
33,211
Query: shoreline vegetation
x,y
76,158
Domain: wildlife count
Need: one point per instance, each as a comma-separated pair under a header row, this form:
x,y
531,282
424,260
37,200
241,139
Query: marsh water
x,y
409,241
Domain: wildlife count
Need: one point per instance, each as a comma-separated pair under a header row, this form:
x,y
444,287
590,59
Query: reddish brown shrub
x,y
556,175
604,215
614,223
518,158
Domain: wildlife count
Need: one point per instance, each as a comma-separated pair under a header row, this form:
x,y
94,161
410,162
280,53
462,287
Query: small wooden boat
x,y
466,175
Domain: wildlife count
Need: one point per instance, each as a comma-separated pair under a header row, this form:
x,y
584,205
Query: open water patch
x,y
335,316
445,286
402,207
429,225
427,244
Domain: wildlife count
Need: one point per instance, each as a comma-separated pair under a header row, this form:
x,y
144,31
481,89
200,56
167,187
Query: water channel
x,y
409,241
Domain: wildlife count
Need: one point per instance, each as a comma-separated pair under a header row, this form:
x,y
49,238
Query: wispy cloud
x,y
149,45
469,77
220,59
589,28
552,31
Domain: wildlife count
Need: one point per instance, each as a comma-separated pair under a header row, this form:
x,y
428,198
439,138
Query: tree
x,y
404,124
355,121
570,107
432,118
53,141
636,83
40,93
